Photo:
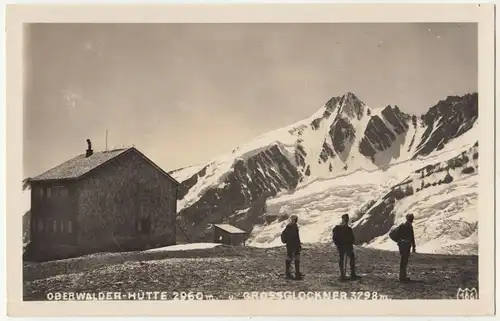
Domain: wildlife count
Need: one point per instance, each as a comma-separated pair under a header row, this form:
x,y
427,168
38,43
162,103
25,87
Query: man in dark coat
x,y
291,238
406,241
343,238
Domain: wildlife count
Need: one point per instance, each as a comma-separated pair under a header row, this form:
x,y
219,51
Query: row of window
x,y
63,227
57,191
66,227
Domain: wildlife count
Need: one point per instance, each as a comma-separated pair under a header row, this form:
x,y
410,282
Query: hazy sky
x,y
183,93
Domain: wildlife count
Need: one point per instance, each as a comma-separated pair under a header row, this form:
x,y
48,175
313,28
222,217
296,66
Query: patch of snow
x,y
185,247
242,211
435,126
460,143
187,172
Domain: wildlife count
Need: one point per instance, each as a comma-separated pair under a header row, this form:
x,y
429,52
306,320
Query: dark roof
x,y
230,229
77,167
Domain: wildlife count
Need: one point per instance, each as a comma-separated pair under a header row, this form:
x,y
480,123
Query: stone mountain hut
x,y
228,234
116,200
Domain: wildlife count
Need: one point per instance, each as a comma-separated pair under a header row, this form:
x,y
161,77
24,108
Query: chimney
x,y
89,150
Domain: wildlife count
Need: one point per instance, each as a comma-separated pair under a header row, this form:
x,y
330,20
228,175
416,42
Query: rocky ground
x,y
230,271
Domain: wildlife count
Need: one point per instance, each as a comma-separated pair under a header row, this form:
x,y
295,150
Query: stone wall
x,y
116,202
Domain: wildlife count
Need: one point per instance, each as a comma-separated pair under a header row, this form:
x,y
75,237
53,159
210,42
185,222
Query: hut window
x,y
139,227
60,191
144,225
41,192
40,225
70,227
48,192
62,227
55,226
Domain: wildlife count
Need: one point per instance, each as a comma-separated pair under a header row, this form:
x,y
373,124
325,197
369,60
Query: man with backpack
x,y
343,238
290,237
404,236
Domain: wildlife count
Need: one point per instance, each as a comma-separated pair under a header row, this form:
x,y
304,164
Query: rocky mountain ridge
x,y
342,137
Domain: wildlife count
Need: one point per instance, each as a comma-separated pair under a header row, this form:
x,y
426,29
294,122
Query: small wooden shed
x,y
228,234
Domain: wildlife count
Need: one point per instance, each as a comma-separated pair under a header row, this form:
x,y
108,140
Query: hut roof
x,y
230,229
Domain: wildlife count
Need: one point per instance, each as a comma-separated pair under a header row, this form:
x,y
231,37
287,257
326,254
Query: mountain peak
x,y
348,104
350,95
352,106
453,104
387,108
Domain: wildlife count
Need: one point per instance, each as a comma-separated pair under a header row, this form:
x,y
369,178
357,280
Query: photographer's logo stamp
x,y
467,294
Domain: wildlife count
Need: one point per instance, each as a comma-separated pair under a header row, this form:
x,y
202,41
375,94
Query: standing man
x,y
343,238
290,236
406,241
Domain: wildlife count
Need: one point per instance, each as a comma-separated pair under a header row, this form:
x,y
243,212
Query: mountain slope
x,y
343,139
441,191
443,198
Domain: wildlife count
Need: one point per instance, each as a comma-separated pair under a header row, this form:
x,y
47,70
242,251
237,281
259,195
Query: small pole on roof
x,y
106,140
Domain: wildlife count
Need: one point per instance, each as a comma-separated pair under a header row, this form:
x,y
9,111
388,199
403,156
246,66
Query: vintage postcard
x,y
290,159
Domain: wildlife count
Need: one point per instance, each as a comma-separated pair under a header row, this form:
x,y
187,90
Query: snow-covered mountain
x,y
344,158
443,198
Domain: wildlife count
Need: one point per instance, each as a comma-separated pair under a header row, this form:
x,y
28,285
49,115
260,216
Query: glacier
x,y
347,158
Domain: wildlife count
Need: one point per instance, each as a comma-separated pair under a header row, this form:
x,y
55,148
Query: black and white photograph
x,y
251,161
